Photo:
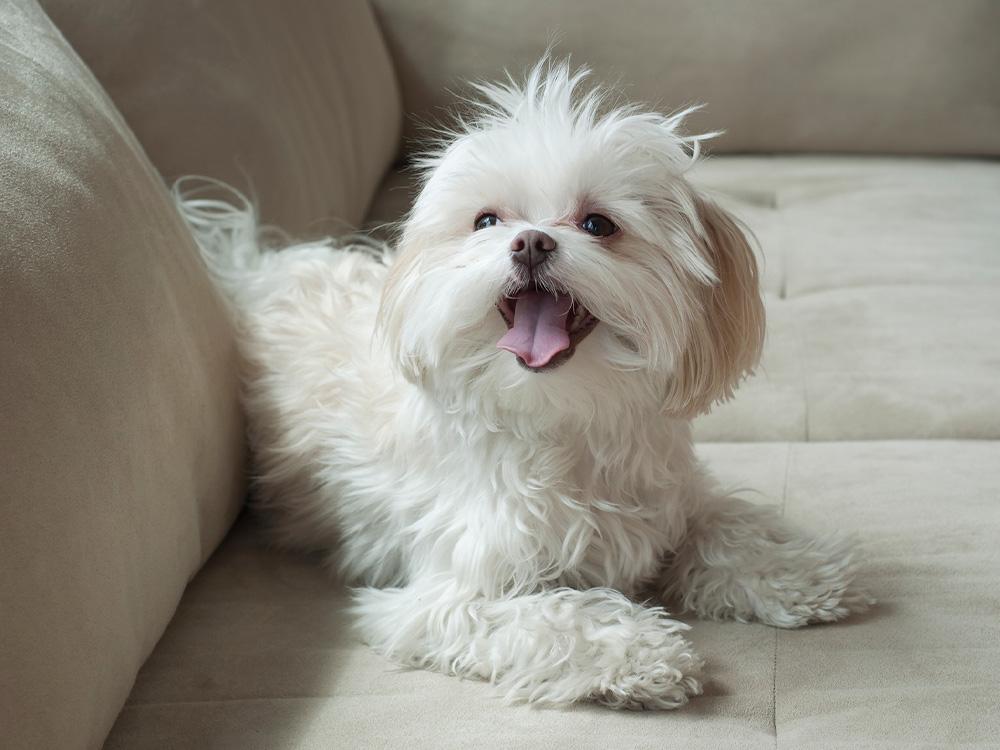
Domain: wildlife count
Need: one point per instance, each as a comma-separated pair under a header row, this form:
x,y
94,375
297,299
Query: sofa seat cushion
x,y
262,654
882,285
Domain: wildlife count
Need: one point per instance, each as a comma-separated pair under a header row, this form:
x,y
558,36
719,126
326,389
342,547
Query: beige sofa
x,y
133,612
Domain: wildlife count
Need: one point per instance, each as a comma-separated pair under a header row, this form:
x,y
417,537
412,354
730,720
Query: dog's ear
x,y
726,337
397,294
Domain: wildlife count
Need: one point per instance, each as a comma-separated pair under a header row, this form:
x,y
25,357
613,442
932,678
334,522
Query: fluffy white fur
x,y
500,522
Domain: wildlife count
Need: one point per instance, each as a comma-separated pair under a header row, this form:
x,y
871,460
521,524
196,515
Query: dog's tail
x,y
225,226
236,247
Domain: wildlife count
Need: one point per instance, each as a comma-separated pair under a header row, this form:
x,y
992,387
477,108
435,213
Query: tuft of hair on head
x,y
552,95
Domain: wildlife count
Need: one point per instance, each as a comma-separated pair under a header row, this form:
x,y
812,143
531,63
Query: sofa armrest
x,y
121,440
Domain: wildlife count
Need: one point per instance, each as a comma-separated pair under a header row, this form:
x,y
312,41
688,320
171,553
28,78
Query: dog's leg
x,y
745,562
551,647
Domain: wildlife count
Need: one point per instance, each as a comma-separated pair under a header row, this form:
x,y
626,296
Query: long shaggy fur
x,y
497,520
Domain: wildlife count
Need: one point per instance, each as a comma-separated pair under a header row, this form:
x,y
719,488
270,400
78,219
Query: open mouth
x,y
543,327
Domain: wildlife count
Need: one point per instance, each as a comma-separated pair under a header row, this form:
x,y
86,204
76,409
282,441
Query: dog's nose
x,y
531,248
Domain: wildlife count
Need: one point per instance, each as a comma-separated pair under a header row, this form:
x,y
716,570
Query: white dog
x,y
489,429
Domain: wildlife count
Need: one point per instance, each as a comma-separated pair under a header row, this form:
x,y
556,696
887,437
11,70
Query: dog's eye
x,y
599,226
486,220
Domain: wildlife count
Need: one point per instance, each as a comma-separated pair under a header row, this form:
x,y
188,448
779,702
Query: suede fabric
x,y
297,106
261,653
895,76
121,448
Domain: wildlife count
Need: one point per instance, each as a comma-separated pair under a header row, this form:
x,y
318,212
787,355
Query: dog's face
x,y
557,260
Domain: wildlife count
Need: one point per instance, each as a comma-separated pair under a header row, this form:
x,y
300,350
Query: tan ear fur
x,y
725,344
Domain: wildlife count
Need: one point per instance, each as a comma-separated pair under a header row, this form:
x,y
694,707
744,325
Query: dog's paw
x,y
753,566
794,606
821,588
656,688
655,673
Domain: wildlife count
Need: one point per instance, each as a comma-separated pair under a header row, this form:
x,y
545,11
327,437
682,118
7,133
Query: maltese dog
x,y
487,428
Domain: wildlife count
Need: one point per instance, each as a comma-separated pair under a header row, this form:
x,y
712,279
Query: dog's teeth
x,y
578,318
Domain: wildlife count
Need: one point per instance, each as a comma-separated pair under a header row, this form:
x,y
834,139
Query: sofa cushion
x,y
121,451
883,298
261,653
297,107
882,286
812,75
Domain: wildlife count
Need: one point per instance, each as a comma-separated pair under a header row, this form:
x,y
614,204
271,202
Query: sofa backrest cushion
x,y
121,441
892,76
295,104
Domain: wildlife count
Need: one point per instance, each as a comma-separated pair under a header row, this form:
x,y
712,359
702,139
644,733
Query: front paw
x,y
772,576
817,585
657,671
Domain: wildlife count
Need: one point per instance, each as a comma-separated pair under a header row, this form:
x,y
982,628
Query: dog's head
x,y
558,260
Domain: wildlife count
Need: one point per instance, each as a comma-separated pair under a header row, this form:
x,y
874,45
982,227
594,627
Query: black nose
x,y
531,248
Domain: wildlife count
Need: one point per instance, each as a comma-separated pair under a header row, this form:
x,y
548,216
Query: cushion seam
x,y
774,660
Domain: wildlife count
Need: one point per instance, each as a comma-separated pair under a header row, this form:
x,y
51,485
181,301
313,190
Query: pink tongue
x,y
539,330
